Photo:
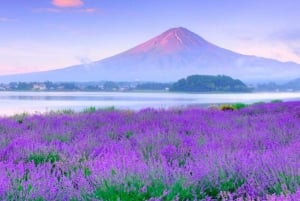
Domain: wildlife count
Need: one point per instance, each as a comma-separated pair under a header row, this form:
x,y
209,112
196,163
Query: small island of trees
x,y
209,83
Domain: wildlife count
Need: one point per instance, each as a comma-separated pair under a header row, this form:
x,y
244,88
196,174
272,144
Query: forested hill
x,y
209,83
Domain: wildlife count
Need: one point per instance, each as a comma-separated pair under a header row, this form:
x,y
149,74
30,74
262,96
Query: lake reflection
x,y
17,102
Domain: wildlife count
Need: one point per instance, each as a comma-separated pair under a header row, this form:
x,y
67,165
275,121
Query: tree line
x,y
193,83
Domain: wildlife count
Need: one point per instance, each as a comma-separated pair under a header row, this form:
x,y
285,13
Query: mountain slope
x,y
174,54
293,84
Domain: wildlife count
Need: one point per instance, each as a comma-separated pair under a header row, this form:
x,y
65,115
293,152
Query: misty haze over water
x,y
40,102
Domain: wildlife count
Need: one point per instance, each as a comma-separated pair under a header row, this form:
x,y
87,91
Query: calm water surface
x,y
18,102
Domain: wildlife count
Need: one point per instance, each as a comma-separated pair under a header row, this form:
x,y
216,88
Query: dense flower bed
x,y
177,154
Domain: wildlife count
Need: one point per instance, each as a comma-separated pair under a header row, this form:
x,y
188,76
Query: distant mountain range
x,y
170,56
293,85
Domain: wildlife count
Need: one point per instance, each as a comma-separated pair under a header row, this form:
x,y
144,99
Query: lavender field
x,y
175,154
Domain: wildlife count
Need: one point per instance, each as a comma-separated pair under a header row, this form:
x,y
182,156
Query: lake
x,y
31,102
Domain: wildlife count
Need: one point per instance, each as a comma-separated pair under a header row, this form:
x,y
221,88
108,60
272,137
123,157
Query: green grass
x,y
239,106
276,101
90,109
135,189
285,183
41,158
60,137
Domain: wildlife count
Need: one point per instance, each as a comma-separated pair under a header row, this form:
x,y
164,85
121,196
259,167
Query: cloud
x,y
246,38
88,10
61,10
285,44
286,35
4,19
67,3
85,61
297,51
47,10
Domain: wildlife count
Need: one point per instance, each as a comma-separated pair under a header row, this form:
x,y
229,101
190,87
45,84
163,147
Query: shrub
x,y
227,108
20,117
276,101
239,106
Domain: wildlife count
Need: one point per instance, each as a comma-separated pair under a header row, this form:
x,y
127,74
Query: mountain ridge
x,y
174,54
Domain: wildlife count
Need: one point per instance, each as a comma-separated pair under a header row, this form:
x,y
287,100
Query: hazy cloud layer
x,y
297,51
286,35
291,39
47,10
88,10
61,10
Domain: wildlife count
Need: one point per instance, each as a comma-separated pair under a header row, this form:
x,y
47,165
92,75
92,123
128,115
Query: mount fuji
x,y
172,55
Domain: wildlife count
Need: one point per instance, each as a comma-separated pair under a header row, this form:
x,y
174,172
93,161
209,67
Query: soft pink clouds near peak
x,y
67,3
